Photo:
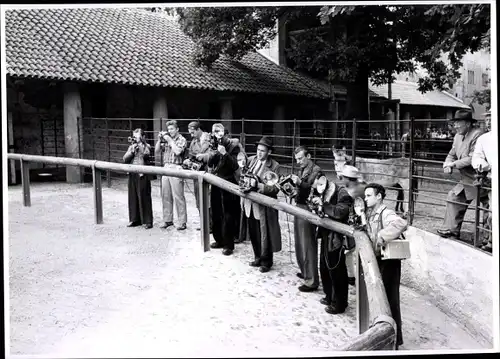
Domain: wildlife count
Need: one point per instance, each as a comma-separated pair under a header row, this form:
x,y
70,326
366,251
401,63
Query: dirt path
x,y
79,289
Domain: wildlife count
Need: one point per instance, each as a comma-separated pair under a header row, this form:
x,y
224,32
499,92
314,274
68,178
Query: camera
x,y
246,180
192,164
162,135
214,142
288,187
316,208
132,140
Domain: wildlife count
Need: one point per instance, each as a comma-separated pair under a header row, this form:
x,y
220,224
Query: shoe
x,y
166,225
351,280
182,227
305,288
446,233
237,240
215,245
227,251
255,263
332,309
133,224
148,226
300,275
264,269
325,301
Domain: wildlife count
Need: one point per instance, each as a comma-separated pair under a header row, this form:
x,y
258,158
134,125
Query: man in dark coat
x,y
260,223
460,157
140,207
332,264
225,208
306,245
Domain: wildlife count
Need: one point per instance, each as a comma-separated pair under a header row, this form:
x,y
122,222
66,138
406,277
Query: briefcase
x,y
396,249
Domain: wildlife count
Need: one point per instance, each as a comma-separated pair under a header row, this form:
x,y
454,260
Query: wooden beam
x,y
25,179
204,214
97,184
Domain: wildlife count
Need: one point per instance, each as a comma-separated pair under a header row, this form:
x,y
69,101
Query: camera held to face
x,y
315,203
162,135
132,140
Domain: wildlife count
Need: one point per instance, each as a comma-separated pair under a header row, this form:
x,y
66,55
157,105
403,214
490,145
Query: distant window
x,y
471,77
485,80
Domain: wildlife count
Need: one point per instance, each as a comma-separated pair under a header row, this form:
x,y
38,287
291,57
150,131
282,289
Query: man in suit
x,y
306,245
460,157
260,223
140,205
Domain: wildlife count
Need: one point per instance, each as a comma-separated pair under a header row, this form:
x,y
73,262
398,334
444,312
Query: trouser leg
x,y
217,214
177,185
133,201
266,253
455,213
255,238
167,199
145,201
231,214
390,271
326,280
340,279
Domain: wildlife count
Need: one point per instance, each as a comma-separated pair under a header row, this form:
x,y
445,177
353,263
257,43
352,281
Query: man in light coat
x,y
460,157
384,225
260,223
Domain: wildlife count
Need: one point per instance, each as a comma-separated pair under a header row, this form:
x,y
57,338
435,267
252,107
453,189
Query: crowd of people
x,y
237,219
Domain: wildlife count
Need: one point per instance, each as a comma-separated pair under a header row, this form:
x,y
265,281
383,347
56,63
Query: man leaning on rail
x,y
483,158
384,225
306,245
460,157
140,207
258,222
173,146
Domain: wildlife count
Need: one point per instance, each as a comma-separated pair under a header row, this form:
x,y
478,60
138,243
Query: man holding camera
x,y
260,223
140,206
200,144
222,158
306,245
384,225
173,146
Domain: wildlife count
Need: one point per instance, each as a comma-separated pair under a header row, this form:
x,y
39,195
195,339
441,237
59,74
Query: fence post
x,y
96,179
478,183
411,204
203,190
293,143
108,172
25,180
354,135
362,310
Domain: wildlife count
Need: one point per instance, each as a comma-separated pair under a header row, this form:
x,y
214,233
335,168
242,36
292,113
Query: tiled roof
x,y
131,47
408,94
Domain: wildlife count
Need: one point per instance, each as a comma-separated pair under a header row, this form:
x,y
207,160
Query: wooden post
x,y
203,187
478,183
25,180
362,307
96,178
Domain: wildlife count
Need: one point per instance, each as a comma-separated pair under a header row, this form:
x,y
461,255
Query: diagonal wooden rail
x,y
376,326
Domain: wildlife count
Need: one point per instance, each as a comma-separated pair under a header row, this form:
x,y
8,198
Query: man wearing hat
x,y
483,158
260,223
460,157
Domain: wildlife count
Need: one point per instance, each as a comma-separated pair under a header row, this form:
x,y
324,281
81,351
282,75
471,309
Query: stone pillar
x,y
72,132
160,115
279,129
226,112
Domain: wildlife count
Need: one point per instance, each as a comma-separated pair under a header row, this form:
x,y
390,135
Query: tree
x,y
482,97
348,44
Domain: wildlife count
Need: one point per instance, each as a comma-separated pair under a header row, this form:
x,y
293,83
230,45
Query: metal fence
x,y
376,146
376,326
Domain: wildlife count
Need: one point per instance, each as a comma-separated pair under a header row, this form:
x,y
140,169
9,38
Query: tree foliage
x,y
348,43
482,97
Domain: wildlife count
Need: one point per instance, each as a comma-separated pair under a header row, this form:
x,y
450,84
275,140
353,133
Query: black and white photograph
x,y
250,179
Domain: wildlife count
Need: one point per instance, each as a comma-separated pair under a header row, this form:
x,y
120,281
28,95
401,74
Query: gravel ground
x,y
80,289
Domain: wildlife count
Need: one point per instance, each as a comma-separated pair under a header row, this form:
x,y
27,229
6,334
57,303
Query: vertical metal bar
x,y
411,205
96,180
354,135
293,143
25,180
242,134
92,139
108,172
477,212
362,308
203,187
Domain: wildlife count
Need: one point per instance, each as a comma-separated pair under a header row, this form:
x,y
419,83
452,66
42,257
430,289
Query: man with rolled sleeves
x,y
257,222
460,157
306,244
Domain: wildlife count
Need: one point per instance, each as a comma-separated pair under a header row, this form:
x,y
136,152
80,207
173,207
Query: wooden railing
x,y
375,324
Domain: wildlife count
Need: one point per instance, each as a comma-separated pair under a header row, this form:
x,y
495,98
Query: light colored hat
x,y
350,171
